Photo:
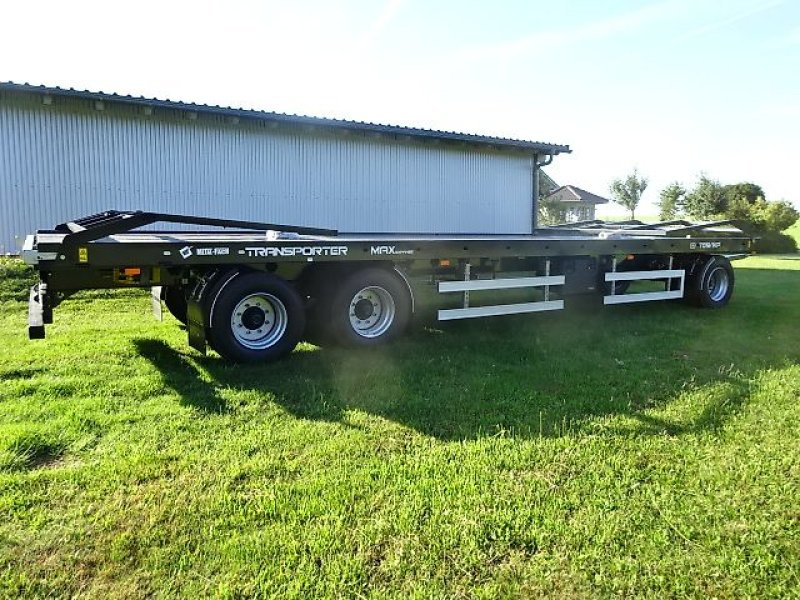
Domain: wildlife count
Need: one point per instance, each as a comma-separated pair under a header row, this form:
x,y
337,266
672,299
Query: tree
x,y
741,198
780,215
628,192
742,201
706,201
671,200
551,212
749,192
773,216
546,184
740,208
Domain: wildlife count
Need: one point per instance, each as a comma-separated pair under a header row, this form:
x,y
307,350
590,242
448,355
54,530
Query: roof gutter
x,y
537,164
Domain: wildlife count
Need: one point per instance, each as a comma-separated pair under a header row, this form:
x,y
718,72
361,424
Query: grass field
x,y
649,450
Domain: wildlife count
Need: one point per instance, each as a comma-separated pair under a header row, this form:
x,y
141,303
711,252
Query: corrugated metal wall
x,y
68,159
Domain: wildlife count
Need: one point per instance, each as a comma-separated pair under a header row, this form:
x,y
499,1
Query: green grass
x,y
649,450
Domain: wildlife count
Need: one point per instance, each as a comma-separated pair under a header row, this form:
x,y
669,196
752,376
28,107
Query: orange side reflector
x,y
444,262
630,257
131,271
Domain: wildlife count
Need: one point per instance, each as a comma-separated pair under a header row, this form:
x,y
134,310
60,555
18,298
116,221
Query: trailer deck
x,y
214,247
307,267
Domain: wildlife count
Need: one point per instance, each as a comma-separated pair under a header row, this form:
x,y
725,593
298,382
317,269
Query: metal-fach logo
x,y
219,251
186,252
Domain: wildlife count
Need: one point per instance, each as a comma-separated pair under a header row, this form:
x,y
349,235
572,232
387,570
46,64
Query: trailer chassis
x,y
252,290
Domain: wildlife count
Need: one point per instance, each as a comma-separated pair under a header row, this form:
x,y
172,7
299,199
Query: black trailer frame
x,y
308,270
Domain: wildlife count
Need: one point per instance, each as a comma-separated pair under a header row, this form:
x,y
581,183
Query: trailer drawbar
x,y
252,291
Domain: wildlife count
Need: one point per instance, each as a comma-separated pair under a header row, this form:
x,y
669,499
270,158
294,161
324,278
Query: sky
x,y
673,88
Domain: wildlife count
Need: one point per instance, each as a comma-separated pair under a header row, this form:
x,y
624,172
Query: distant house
x,y
569,203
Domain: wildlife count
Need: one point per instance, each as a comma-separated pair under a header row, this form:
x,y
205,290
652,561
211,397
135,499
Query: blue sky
x,y
673,87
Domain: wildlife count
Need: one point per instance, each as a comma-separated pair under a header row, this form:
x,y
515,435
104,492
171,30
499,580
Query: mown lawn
x,y
649,450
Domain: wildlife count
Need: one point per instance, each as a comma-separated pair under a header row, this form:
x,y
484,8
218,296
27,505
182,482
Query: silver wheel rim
x,y
371,311
718,283
259,321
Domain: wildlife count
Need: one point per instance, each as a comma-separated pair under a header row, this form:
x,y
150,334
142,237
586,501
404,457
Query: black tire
x,y
710,282
174,298
371,306
257,317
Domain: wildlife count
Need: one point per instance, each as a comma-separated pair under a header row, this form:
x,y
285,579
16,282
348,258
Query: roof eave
x,y
340,124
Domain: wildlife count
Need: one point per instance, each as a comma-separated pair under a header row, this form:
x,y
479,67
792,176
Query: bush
x,y
772,216
771,242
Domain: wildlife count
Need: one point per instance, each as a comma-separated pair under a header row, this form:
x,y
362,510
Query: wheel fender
x,y
206,290
215,292
402,276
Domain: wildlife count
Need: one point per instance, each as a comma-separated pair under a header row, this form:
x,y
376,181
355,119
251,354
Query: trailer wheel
x,y
175,299
257,317
710,284
372,306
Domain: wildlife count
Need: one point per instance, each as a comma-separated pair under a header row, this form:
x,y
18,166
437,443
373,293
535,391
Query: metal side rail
x,y
468,285
669,275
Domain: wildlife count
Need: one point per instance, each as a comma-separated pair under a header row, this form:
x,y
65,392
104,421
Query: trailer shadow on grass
x,y
180,374
544,375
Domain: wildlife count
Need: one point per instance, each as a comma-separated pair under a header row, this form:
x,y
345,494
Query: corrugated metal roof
x,y
301,120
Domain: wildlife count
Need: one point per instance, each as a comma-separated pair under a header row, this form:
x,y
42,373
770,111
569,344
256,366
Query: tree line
x,y
710,200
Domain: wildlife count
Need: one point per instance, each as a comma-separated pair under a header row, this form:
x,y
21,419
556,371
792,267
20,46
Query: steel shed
x,y
66,152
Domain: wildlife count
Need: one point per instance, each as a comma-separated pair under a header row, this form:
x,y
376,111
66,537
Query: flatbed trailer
x,y
252,290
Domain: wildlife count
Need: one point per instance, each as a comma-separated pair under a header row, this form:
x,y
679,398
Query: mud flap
x,y
155,300
195,325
